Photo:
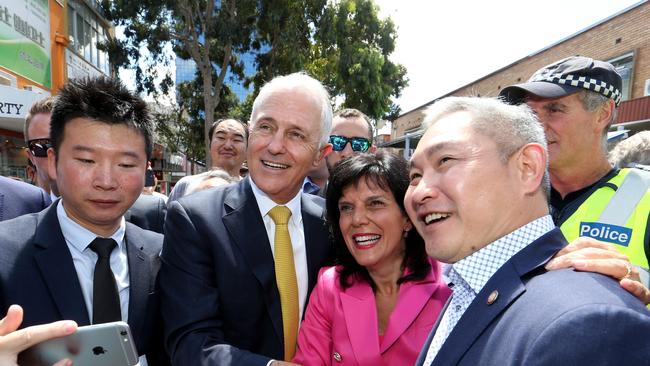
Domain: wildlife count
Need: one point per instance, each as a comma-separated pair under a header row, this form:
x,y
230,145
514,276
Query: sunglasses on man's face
x,y
358,144
38,147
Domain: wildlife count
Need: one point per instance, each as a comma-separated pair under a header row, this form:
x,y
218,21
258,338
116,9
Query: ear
x,y
51,163
531,166
605,115
408,225
322,153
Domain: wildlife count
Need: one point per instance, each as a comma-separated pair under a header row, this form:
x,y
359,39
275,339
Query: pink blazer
x,y
340,327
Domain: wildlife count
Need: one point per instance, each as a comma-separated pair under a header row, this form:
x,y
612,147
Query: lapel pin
x,y
337,356
493,297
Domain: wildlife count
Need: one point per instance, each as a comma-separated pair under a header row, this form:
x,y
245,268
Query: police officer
x,y
576,100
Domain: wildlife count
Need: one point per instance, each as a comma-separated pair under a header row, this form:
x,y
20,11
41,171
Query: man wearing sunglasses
x,y
351,134
37,138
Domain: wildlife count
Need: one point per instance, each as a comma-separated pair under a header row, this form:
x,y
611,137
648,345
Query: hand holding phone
x,y
107,344
13,341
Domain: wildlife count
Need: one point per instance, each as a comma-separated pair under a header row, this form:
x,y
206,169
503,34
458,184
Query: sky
x,y
447,44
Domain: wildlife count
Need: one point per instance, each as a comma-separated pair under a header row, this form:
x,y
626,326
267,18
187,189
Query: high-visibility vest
x,y
616,216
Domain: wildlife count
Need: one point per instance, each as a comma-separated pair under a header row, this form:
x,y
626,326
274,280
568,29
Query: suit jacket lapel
x,y
508,282
246,227
140,279
57,269
360,312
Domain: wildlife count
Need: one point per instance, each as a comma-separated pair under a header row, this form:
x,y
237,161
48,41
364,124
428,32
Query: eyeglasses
x,y
38,147
358,144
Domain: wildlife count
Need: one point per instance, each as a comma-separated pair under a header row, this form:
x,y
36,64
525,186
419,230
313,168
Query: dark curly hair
x,y
100,99
390,173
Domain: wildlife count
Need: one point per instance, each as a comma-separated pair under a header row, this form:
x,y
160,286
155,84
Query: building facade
x,y
42,44
623,39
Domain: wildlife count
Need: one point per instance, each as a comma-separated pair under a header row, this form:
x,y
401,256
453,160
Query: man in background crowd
x,y
37,138
352,133
632,152
228,141
576,100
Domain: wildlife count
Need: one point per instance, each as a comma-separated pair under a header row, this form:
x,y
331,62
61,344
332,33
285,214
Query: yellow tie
x,y
285,276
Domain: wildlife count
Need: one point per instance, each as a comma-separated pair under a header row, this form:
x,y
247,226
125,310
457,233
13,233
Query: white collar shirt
x,y
78,239
468,276
296,232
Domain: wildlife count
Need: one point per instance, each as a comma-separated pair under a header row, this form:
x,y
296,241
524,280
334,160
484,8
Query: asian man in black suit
x,y
79,259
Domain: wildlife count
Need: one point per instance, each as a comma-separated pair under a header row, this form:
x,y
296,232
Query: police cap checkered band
x,y
568,76
601,87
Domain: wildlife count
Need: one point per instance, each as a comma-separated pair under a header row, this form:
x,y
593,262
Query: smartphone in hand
x,y
107,344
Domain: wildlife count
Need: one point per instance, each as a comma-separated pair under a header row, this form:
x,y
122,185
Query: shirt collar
x,y
80,237
308,186
265,203
479,267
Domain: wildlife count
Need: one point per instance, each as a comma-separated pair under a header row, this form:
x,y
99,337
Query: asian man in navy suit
x,y
479,197
52,263
223,302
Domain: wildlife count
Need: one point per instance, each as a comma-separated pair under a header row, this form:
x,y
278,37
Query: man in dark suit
x,y
79,259
235,275
479,197
19,198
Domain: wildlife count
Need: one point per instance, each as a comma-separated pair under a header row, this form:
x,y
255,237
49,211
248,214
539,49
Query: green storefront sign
x,y
25,39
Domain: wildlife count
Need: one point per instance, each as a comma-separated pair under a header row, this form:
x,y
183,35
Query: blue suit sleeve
x,y
594,334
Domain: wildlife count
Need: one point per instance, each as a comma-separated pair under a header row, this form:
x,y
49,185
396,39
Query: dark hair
x,y
218,122
390,173
355,113
100,99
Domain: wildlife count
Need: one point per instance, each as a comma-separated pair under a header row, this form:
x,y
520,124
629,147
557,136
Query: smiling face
x,y
461,192
372,225
573,133
228,146
100,170
283,142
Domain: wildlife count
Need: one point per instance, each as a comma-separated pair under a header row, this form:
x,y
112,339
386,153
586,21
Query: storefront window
x,y
13,157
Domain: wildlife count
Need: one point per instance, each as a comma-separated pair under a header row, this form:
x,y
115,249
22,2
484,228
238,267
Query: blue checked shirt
x,y
468,276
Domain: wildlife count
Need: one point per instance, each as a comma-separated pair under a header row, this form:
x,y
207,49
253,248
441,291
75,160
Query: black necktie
x,y
106,301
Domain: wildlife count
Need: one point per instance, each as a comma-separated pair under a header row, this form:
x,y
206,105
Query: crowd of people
x,y
332,251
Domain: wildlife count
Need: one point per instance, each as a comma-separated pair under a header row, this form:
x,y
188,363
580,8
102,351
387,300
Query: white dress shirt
x,y
296,232
470,274
78,239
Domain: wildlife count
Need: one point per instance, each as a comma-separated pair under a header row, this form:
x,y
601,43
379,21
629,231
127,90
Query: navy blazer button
x,y
493,297
337,356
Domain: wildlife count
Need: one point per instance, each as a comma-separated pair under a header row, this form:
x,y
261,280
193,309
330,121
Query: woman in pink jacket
x,y
377,306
